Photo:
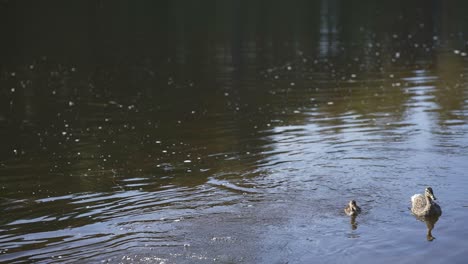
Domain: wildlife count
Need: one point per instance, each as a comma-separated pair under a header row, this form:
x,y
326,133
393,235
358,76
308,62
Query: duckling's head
x,y
429,193
353,205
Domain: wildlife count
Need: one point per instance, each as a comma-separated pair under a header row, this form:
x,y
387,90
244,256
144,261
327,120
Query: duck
x,y
424,205
352,209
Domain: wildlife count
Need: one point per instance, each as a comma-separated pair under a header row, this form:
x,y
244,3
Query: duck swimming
x,y
352,209
424,205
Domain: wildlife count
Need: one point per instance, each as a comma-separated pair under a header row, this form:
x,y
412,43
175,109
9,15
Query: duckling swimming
x,y
424,205
352,209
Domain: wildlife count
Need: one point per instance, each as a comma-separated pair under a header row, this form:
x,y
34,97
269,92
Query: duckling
x,y
424,205
352,209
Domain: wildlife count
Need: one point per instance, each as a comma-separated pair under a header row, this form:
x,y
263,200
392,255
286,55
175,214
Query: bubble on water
x,y
391,75
463,54
73,69
12,90
296,112
330,103
289,68
397,54
456,51
353,75
226,94
71,103
435,38
13,74
64,133
395,36
292,84
187,161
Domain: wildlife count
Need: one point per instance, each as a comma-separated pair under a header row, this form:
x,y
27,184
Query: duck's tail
x,y
414,197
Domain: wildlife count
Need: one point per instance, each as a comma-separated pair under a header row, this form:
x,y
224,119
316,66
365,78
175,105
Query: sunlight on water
x,y
236,140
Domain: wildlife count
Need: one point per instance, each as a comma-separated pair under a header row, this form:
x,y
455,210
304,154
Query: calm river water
x,y
232,131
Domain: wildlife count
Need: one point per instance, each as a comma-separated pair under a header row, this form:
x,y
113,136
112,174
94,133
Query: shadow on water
x,y
228,131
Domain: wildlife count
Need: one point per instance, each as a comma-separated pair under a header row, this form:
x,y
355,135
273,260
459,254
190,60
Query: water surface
x,y
232,132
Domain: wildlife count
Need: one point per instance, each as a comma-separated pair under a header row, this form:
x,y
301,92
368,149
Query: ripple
x,y
211,158
231,186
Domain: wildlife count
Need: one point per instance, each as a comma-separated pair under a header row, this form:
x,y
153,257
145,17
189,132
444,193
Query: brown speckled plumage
x,y
424,205
352,208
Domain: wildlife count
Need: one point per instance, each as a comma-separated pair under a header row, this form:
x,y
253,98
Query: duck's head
x,y
429,193
353,205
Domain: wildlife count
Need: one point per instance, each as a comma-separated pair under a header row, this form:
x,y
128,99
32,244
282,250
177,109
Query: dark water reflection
x,y
430,224
231,131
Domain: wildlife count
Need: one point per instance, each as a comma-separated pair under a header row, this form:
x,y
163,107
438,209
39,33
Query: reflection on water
x,y
353,222
430,223
233,131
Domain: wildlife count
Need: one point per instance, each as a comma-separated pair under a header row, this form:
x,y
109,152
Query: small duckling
x,y
352,209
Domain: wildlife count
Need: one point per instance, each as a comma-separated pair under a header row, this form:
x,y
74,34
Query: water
x,y
233,132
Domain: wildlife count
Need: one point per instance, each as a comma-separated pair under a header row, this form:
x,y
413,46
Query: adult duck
x,y
424,205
